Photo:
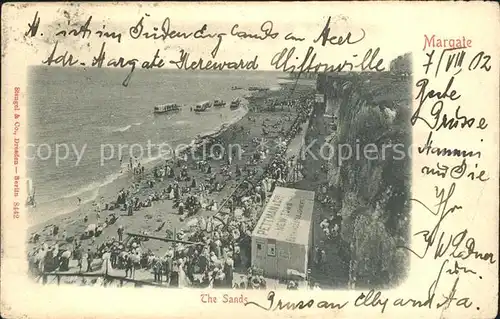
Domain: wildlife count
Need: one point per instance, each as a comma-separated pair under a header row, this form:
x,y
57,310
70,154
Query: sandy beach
x,y
162,218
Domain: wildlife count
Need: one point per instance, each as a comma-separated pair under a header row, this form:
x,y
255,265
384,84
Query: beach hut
x,y
283,236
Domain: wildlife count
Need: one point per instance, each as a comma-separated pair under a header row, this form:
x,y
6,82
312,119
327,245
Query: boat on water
x,y
234,87
219,103
202,106
235,104
167,108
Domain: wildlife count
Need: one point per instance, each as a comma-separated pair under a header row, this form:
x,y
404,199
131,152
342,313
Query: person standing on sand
x,y
174,275
157,268
79,255
168,267
230,204
128,265
120,233
55,232
181,208
90,259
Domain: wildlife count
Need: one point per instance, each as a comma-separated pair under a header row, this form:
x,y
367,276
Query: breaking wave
x,y
125,128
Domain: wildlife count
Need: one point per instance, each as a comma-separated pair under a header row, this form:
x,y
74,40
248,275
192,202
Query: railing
x,y
108,278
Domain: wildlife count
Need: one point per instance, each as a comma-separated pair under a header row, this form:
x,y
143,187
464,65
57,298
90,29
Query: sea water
x,y
88,113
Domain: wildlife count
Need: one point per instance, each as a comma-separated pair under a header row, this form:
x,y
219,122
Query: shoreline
x,y
125,177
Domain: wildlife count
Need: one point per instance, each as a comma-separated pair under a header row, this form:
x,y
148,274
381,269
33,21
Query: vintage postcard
x,y
189,160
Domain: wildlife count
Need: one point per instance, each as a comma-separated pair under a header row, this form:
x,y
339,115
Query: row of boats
x,y
199,107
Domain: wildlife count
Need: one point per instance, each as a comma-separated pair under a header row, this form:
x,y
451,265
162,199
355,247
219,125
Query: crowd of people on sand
x,y
208,249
